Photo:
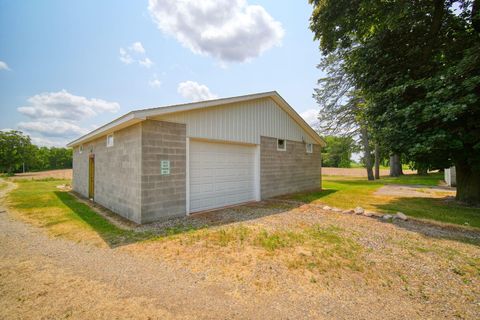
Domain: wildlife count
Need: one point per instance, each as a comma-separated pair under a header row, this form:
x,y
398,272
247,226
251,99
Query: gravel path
x,y
38,270
50,278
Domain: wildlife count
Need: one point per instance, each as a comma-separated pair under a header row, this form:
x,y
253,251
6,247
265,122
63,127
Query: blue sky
x,y
67,67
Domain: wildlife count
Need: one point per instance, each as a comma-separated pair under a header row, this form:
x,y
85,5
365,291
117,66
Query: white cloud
x,y
135,53
49,142
147,63
137,47
194,91
57,116
4,66
64,105
155,83
53,128
310,116
125,57
228,30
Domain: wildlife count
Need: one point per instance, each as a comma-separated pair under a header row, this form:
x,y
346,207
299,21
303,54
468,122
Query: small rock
x,y
401,216
358,210
387,217
326,208
347,211
304,252
336,210
367,214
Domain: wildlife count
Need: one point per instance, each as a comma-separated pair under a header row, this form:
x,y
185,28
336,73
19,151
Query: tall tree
x,y
338,151
18,153
15,150
342,106
418,65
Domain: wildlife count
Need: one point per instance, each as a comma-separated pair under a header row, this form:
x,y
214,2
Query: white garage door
x,y
220,175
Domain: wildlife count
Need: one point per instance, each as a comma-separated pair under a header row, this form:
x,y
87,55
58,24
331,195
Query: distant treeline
x,y
17,153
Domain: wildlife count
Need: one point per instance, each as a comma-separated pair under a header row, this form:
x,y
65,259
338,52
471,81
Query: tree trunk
x,y
377,161
368,155
395,166
422,170
468,183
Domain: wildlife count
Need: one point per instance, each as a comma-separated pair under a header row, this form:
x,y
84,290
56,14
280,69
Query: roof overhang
x,y
137,116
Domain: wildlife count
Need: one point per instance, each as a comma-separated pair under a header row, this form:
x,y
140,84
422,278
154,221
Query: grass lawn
x,y
350,192
43,204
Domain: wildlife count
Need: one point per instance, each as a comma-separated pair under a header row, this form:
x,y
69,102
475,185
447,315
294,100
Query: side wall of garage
x,y
163,195
117,172
293,170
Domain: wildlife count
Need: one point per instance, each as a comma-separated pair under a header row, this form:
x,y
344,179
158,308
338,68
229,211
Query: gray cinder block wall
x,y
163,196
293,170
80,171
117,172
128,179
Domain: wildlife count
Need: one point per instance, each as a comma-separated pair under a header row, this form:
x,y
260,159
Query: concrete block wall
x,y
163,196
128,177
117,172
80,171
293,170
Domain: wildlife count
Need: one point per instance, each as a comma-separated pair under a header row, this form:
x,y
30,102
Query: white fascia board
x,y
298,119
153,112
117,124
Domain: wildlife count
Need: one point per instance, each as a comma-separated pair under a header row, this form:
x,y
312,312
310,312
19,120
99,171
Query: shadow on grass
x,y
310,196
462,222
116,236
110,233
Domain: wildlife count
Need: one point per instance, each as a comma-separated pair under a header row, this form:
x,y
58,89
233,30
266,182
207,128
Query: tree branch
x,y
476,15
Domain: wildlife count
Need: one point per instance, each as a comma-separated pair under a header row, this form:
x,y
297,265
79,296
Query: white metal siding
x,y
241,122
220,175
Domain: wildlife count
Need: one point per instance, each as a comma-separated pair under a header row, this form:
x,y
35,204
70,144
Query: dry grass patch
x,y
316,248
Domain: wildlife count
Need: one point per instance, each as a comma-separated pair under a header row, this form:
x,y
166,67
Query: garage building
x,y
176,160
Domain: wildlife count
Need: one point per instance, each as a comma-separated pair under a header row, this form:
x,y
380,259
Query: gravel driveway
x,y
53,278
411,272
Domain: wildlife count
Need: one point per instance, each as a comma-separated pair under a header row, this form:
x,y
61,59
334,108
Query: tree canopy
x,y
18,153
418,65
338,152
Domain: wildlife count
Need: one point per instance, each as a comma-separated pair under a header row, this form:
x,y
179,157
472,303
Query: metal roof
x,y
137,116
